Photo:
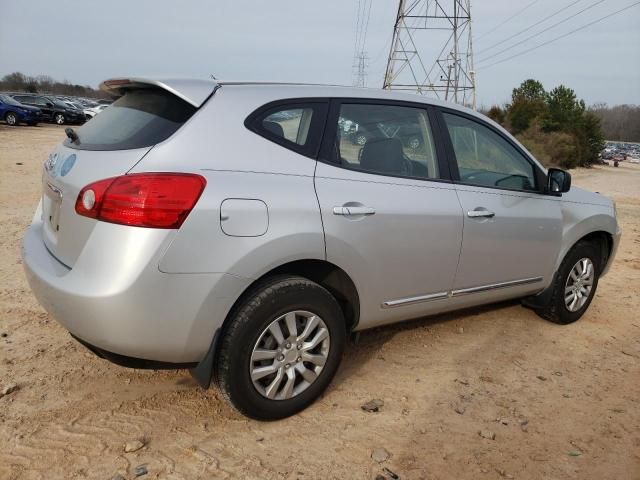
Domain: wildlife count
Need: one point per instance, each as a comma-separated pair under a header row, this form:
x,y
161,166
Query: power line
x,y
531,4
360,59
366,27
531,26
564,35
541,31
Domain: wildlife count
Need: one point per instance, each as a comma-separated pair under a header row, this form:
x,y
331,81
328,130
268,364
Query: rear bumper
x,y
116,299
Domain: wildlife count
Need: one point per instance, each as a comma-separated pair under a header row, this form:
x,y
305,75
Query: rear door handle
x,y
480,213
353,211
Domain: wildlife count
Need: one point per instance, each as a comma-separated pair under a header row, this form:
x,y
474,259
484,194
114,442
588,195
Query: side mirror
x,y
558,181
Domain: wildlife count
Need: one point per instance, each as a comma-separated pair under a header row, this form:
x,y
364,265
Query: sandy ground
x,y
563,402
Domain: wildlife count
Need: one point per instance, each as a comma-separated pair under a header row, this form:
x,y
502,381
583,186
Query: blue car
x,y
14,112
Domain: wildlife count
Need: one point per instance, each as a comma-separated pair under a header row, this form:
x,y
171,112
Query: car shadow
x,y
368,344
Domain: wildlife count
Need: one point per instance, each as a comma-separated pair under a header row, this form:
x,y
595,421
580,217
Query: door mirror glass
x,y
558,181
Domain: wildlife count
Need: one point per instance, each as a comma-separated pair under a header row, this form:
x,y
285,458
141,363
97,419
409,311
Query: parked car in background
x,y
92,112
14,112
53,110
231,229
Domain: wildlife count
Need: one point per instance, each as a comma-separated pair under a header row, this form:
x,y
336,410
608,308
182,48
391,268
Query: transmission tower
x,y
360,70
433,29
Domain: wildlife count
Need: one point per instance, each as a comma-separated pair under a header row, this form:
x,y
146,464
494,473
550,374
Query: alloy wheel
x,y
60,119
579,284
414,143
289,355
11,119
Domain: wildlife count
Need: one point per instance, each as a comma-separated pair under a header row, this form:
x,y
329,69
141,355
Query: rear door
x,y
392,219
108,146
512,231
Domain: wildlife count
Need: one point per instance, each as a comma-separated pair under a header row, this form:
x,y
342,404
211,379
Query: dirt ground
x,y
563,402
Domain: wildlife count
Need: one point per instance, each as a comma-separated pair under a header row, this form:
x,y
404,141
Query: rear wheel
x,y
281,348
59,118
11,118
575,285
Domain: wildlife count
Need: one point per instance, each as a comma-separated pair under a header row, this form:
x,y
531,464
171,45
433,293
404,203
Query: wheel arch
x,y
322,272
604,241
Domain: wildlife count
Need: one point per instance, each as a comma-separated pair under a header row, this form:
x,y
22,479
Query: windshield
x,y
58,103
140,118
10,101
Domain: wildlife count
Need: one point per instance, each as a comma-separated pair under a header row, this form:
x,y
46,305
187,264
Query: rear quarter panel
x,y
239,164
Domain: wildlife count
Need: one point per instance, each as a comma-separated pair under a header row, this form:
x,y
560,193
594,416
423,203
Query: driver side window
x,y
386,139
485,158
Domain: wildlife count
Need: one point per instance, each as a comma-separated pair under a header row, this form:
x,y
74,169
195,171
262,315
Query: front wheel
x,y
281,348
59,118
575,285
11,119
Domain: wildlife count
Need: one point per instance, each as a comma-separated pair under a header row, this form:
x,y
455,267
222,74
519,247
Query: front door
x,y
512,231
390,220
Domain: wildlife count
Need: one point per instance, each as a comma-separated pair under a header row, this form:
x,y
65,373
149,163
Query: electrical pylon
x,y
360,70
439,30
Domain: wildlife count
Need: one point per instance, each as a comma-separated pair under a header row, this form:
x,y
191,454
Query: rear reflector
x,y
152,200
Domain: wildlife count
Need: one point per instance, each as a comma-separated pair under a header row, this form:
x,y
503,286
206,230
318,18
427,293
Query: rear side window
x,y
296,126
140,118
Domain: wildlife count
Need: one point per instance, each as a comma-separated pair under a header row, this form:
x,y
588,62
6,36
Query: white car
x,y
92,112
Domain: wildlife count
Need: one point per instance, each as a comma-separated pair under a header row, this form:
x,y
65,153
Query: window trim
x,y
327,156
318,123
539,175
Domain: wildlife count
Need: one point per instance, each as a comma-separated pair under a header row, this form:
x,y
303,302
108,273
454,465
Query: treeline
x,y
555,126
621,122
19,82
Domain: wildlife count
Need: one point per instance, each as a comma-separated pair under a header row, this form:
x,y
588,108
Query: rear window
x,y
297,125
141,118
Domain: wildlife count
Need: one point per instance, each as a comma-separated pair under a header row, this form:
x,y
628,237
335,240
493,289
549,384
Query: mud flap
x,y
543,298
203,372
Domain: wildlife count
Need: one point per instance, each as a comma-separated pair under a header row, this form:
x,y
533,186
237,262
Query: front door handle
x,y
353,211
480,213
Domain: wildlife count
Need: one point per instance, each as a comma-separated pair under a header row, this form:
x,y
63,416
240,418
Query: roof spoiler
x,y
193,91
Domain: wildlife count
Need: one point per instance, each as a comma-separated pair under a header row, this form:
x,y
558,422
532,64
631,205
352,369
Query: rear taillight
x,y
153,200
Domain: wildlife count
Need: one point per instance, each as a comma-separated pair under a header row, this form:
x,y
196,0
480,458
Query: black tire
x,y
12,119
556,309
58,118
262,305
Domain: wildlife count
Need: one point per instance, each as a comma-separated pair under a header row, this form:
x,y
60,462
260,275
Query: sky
x,y
87,41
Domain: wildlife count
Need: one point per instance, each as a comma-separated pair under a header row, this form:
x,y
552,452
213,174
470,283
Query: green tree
x,y
530,90
564,110
528,102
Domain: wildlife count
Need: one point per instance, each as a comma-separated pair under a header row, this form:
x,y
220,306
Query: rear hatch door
x,y
109,145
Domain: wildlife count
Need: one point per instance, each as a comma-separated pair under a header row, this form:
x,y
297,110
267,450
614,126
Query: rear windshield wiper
x,y
71,133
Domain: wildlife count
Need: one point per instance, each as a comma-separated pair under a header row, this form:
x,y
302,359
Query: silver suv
x,y
245,230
